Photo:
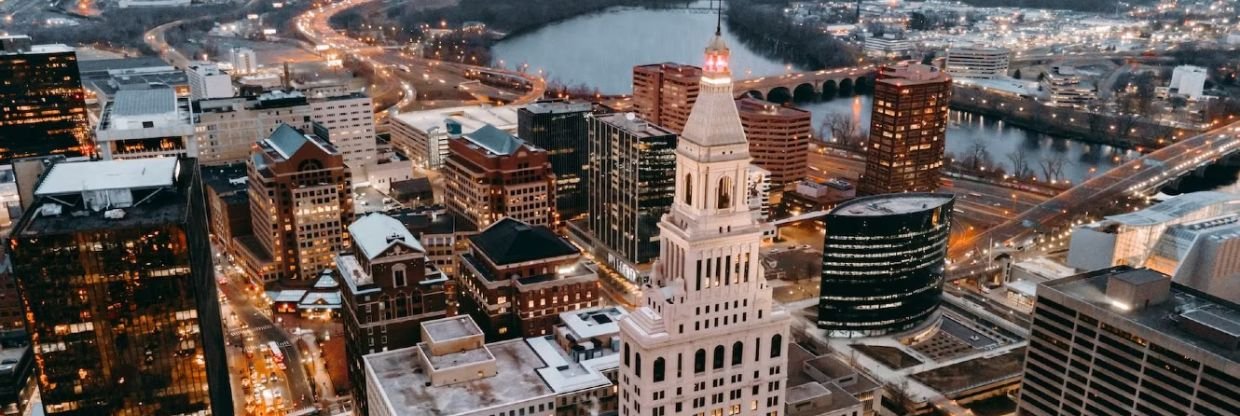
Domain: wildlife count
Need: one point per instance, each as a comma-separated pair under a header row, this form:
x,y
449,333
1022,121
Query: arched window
x,y
738,350
626,354
718,357
659,367
777,344
725,193
688,189
699,361
637,369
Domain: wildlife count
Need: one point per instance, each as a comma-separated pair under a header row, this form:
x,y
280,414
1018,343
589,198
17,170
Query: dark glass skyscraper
x,y
882,263
632,184
42,110
560,128
116,275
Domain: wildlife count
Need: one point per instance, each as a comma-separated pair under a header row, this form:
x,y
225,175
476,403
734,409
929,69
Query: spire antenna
x,y
719,18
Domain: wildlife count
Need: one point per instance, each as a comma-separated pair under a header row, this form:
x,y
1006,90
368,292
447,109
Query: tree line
x,y
762,25
511,16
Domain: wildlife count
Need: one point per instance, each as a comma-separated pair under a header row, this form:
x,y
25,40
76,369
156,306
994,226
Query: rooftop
x,y
593,323
891,204
494,140
1176,208
286,141
143,101
451,328
1161,318
105,65
408,392
510,241
753,105
554,107
631,123
376,233
907,73
115,194
470,118
76,177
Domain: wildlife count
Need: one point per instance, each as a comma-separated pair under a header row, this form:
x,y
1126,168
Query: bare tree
x,y
1020,163
843,130
1052,168
977,156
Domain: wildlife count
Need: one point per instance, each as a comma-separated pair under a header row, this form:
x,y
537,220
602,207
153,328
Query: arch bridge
x,y
805,86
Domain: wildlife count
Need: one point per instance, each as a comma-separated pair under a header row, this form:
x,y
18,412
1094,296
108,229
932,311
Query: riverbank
x,y
1125,132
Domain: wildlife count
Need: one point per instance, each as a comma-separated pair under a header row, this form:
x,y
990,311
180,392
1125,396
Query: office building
x,y
208,81
560,129
244,61
388,288
116,274
571,372
146,122
228,203
972,62
1130,342
664,93
1128,239
887,46
348,122
908,130
1188,81
707,337
17,387
300,200
1066,87
1203,254
517,277
882,263
43,109
441,232
632,183
492,175
423,136
778,139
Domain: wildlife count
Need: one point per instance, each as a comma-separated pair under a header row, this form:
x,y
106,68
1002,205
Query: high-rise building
x,y
516,279
42,110
778,139
300,201
208,81
348,122
632,184
1128,341
908,130
146,122
707,337
664,93
492,175
244,61
882,263
560,129
227,128
976,62
116,274
389,288
228,203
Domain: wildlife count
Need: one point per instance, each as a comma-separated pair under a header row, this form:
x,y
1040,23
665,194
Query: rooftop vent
x,y
114,214
50,210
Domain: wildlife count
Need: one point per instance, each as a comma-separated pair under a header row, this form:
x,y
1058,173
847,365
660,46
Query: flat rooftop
x,y
75,177
1177,207
156,196
557,107
451,328
407,392
891,204
631,123
470,118
1161,318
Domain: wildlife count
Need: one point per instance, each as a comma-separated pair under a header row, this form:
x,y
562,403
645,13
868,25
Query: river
x,y
600,50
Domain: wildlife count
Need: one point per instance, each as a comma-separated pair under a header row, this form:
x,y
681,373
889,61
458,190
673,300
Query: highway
x,y
1134,179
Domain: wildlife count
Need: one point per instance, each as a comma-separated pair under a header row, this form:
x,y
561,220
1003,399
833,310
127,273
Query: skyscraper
x,y
632,182
664,93
300,201
882,263
706,337
116,274
778,139
42,110
908,130
560,128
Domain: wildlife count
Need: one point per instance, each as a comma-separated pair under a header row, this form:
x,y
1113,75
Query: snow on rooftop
x,y
407,392
375,233
353,275
563,375
451,328
593,323
74,177
470,118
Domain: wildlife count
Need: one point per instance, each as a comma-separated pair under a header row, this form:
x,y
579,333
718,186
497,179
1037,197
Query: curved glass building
x,y
882,263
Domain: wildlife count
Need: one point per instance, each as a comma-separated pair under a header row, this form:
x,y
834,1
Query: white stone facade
x,y
706,337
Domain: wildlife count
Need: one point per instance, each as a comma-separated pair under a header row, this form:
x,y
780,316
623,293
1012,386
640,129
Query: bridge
x,y
824,84
1135,179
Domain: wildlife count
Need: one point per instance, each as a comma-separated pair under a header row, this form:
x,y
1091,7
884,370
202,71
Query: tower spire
x,y
719,18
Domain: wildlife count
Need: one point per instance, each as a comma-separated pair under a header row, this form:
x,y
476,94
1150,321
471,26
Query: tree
x,y
1020,163
1145,84
1016,74
977,157
1052,168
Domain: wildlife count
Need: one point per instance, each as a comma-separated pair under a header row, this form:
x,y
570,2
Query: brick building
x,y
664,93
778,139
908,130
516,279
490,174
300,199
388,288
